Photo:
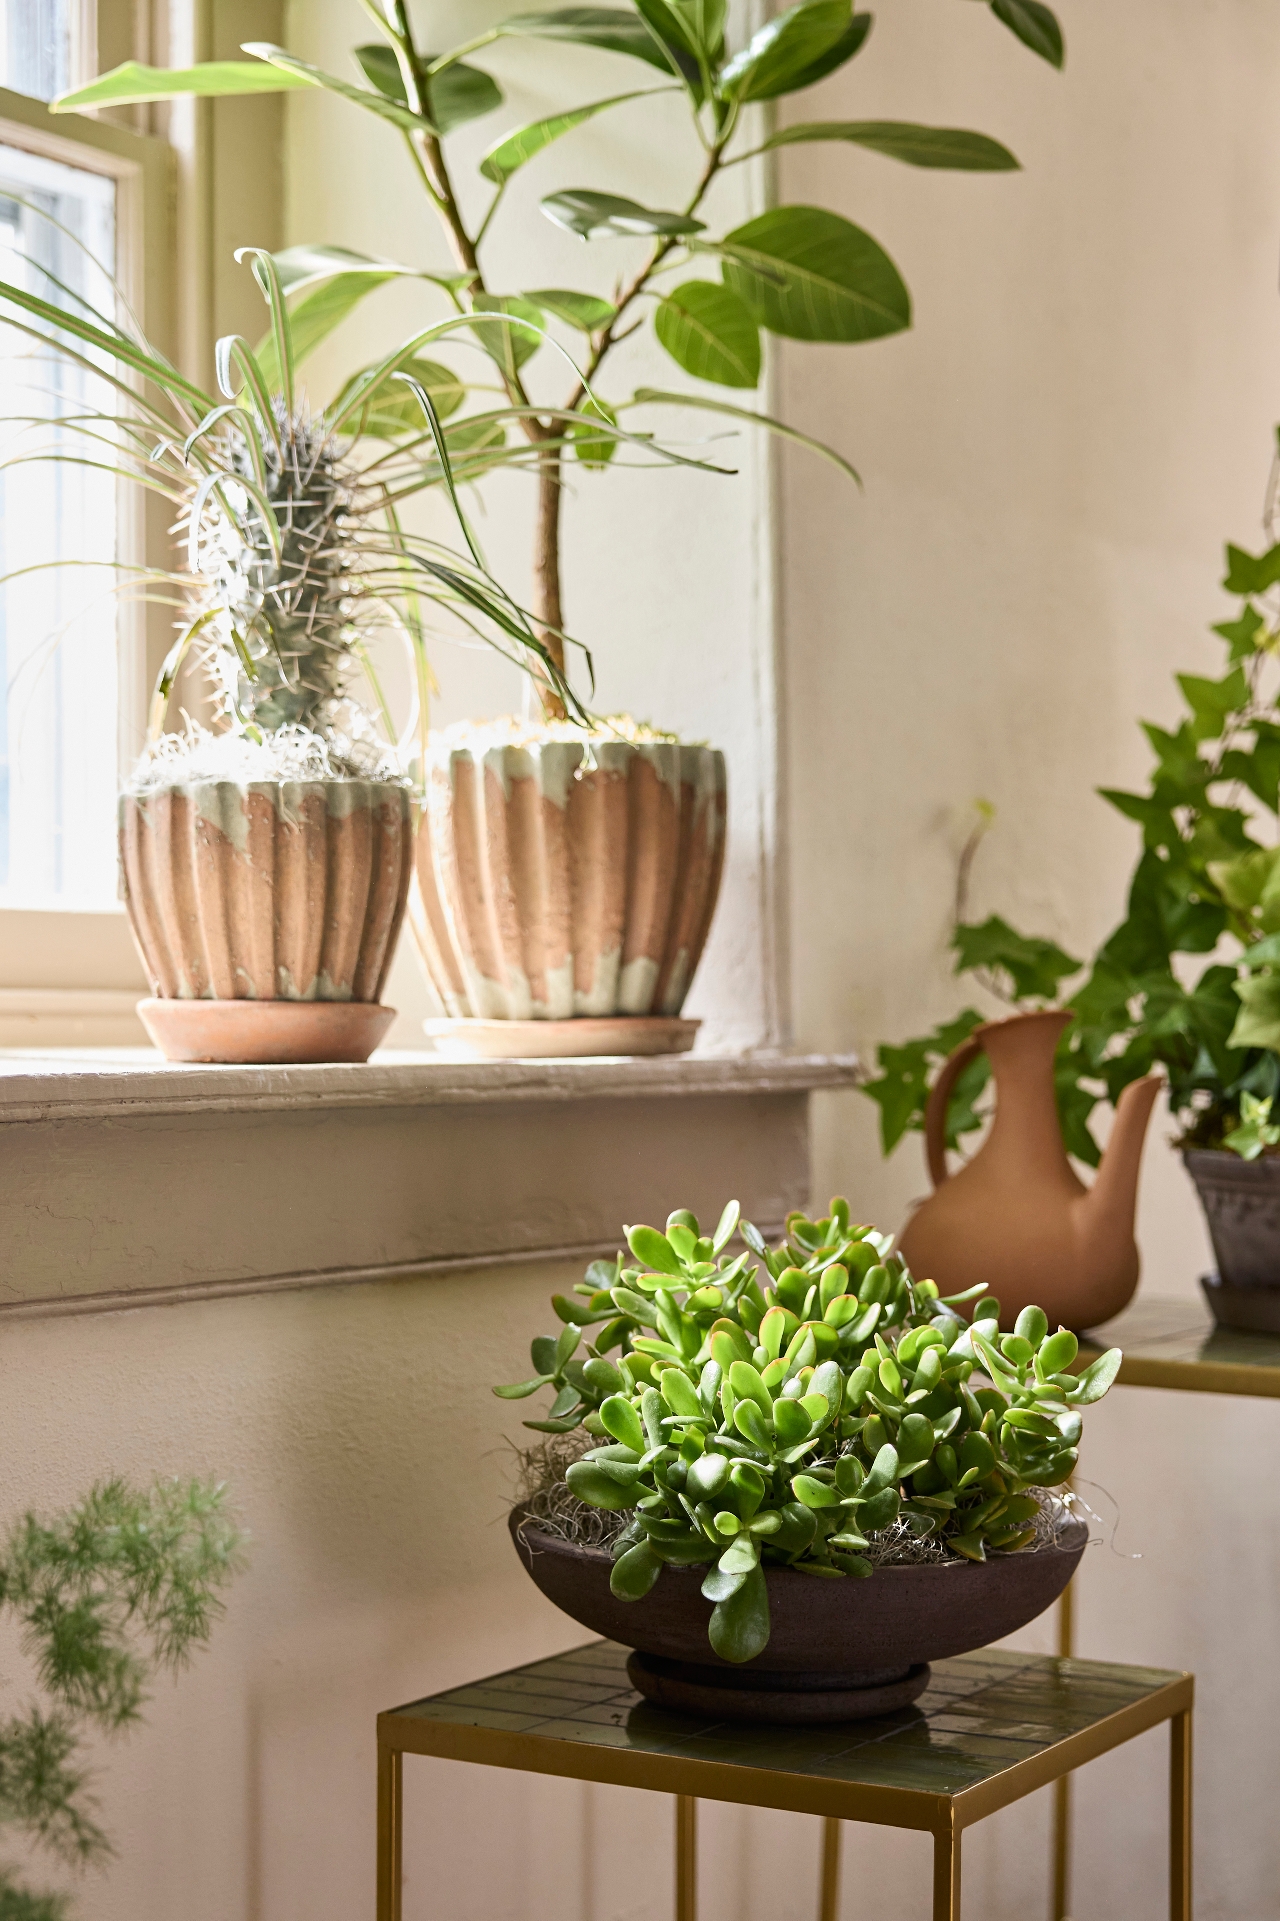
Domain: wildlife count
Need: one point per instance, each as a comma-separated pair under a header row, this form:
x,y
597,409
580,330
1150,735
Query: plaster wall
x,y
1052,459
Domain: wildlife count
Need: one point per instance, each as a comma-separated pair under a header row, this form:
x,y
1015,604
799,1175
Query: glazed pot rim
x,y
1069,1542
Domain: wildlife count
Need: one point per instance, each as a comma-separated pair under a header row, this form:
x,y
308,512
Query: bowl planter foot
x,y
1256,1309
731,1694
563,1040
265,1033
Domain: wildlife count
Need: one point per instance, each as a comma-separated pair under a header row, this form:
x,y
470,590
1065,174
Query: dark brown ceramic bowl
x,y
836,1639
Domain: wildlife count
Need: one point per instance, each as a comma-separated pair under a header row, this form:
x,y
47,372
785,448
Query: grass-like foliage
x,y
124,1586
777,1407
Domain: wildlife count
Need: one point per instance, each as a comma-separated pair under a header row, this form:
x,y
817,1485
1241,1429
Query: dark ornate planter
x,y
1241,1201
838,1650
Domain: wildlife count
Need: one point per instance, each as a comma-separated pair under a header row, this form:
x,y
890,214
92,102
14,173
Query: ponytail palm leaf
x,y
295,546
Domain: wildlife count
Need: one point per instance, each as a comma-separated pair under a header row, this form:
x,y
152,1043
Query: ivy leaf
x,y
710,332
902,1091
1034,966
1034,25
1242,633
1212,702
901,140
1251,573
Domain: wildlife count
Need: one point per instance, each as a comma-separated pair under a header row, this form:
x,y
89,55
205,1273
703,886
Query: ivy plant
x,y
800,272
778,1406
1190,979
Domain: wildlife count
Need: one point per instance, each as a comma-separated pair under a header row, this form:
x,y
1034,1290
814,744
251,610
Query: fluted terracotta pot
x,y
553,892
1016,1216
280,901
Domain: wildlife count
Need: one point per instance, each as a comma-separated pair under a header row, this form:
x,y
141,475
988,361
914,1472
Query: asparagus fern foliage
x,y
123,1587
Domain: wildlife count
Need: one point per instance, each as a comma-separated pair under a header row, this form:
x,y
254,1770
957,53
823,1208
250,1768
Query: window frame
x,y
96,952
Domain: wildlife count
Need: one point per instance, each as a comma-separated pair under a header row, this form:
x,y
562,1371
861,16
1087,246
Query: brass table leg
x,y
390,1810
686,1858
1062,1786
829,1903
946,1874
1180,1817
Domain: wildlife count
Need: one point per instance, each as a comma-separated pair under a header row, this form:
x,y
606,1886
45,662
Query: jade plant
x,y
779,1407
799,272
1190,979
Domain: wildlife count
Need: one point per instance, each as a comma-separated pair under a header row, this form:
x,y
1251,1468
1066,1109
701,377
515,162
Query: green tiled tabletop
x,y
989,1728
1177,1344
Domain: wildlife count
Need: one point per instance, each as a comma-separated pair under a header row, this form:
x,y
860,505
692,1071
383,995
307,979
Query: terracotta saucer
x,y
537,1040
265,1033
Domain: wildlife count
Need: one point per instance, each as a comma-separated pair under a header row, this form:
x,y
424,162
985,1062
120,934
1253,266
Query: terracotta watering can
x,y
1015,1216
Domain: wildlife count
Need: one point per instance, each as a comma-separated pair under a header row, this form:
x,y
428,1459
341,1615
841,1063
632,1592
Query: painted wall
x,y
1052,459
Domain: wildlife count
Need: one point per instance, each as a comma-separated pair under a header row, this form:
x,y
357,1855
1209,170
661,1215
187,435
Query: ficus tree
x,y
799,272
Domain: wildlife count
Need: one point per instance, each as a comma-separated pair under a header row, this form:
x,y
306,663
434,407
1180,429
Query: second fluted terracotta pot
x,y
1016,1216
267,913
561,887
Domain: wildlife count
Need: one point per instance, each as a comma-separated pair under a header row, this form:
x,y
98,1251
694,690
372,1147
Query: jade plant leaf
x,y
739,1628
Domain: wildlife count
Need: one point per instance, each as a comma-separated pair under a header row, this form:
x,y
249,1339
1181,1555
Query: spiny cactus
x,y
781,1423
281,654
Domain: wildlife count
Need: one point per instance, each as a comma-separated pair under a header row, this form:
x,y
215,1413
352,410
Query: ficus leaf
x,y
812,275
951,147
710,332
1035,25
593,216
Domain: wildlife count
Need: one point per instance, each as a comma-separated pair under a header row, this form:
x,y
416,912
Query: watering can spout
x,y
1110,1202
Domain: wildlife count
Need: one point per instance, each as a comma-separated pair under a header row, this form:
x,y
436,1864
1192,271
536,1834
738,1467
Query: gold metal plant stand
x,y
1166,1344
991,1727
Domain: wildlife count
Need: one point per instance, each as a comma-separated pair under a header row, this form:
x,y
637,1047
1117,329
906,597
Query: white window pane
x,y
58,624
35,46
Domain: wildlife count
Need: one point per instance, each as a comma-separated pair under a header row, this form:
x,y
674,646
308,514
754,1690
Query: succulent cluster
x,y
778,1407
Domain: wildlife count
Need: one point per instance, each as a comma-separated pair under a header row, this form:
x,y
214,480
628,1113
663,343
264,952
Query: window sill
x,y
131,1182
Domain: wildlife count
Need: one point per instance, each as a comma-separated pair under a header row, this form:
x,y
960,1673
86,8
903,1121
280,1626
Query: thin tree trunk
x,y
546,574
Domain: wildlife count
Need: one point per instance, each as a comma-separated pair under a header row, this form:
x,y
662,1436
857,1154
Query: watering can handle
x,y
935,1113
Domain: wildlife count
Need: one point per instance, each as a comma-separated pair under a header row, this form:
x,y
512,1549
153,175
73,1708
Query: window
x,y
82,201
38,42
58,536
